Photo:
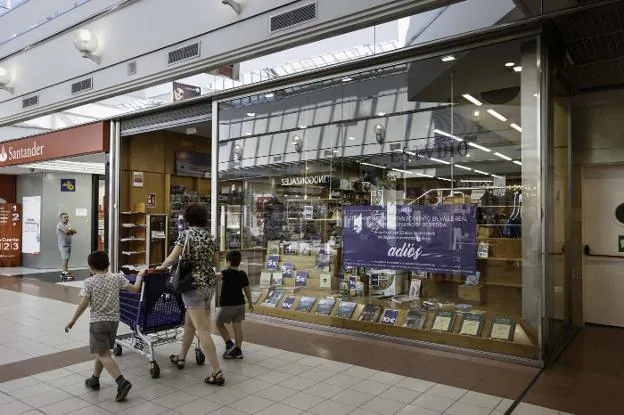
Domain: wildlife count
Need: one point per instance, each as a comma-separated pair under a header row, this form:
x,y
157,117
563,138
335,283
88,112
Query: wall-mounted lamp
x,y
5,80
87,44
238,151
235,5
380,133
297,142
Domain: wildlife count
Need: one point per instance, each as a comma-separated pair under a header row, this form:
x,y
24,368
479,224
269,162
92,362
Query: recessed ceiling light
x,y
424,175
351,138
476,113
517,68
381,114
504,157
510,64
477,146
438,160
496,115
445,134
519,163
347,79
481,172
251,114
303,127
445,179
472,99
448,58
402,171
372,165
459,166
516,127
269,95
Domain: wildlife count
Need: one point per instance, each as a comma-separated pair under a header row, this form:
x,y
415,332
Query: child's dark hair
x,y
234,258
98,260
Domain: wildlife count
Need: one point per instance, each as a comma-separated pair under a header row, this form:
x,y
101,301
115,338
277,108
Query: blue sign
x,y
417,238
68,185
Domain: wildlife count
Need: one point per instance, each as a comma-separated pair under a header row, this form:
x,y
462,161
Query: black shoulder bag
x,y
181,275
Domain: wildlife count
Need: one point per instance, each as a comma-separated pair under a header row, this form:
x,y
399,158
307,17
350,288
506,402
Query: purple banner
x,y
417,238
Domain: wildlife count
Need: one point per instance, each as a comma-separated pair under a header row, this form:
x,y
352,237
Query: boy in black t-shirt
x,y
232,302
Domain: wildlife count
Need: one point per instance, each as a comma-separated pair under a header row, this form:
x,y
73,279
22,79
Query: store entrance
x,y
603,239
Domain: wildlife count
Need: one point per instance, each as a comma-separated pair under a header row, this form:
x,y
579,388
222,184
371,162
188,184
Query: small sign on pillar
x,y
151,200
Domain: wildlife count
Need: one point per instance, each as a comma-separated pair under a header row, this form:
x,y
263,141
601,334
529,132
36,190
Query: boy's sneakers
x,y
122,390
93,383
233,353
228,348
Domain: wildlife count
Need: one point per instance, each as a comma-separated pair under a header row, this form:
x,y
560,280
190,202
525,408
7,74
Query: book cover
x,y
291,248
416,319
370,313
278,278
390,317
255,295
474,279
305,304
325,306
443,321
265,278
325,279
288,303
503,329
287,269
345,309
272,298
272,261
322,261
414,290
273,248
301,279
483,250
304,248
472,324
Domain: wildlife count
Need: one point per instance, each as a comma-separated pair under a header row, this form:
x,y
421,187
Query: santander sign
x,y
9,153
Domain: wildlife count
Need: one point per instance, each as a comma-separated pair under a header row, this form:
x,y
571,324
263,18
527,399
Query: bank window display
x,y
399,200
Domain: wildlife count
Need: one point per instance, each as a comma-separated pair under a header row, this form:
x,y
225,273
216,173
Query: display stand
x,y
133,241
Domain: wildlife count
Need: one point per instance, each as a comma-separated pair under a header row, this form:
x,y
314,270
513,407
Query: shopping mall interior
x,y
427,197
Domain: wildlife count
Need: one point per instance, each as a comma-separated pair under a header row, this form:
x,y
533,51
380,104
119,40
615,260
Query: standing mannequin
x,y
64,233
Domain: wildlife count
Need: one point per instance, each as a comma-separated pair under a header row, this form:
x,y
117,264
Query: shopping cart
x,y
155,316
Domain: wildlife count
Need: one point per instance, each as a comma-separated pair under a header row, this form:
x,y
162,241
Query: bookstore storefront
x,y
402,200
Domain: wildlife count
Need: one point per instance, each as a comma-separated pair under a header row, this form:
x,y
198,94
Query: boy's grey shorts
x,y
231,314
102,336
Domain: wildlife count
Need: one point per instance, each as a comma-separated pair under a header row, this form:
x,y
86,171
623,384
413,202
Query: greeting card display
x,y
503,329
370,313
325,306
472,324
443,321
304,248
288,303
345,309
415,319
389,317
305,304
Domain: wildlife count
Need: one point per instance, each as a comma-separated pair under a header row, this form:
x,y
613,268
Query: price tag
x,y
390,317
301,279
352,282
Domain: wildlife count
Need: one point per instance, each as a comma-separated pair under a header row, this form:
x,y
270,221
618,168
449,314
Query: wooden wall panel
x,y
8,188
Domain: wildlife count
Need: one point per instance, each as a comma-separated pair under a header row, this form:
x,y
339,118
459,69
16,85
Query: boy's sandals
x,y
215,379
177,361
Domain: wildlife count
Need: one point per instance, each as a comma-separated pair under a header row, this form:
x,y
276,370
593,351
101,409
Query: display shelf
x,y
133,234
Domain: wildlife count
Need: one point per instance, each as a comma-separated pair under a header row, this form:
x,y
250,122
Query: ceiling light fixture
x,y
504,157
517,68
425,175
436,131
251,114
380,133
87,44
303,127
516,127
510,64
476,113
402,171
269,95
351,138
481,172
381,114
459,166
372,165
476,181
235,5
477,146
448,58
438,160
497,115
347,79
472,99
519,163
5,80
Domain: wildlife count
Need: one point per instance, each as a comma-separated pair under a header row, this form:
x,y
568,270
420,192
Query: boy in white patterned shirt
x,y
101,292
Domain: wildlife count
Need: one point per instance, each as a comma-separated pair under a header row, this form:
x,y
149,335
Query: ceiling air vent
x,y
184,54
81,86
30,102
293,17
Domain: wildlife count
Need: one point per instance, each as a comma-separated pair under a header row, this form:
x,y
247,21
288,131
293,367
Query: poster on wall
x,y
31,225
10,235
185,91
416,238
193,164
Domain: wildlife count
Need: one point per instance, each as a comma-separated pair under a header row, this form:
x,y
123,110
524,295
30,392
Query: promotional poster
x,y
416,238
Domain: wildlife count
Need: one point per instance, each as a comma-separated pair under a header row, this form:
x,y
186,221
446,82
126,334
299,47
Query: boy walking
x,y
101,292
232,303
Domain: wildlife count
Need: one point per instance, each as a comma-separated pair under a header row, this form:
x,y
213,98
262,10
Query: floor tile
x,y
226,410
449,392
274,376
226,396
343,381
414,384
252,386
175,399
47,398
90,410
388,378
298,383
480,399
52,375
18,384
303,401
317,374
399,394
528,409
252,404
65,407
197,407
294,368
383,406
279,409
324,390
460,408
333,408
416,410
16,407
251,370
273,363
360,372
145,408
277,393
4,398
352,397
370,387
312,361
333,366
360,411
28,391
504,405
155,391
434,403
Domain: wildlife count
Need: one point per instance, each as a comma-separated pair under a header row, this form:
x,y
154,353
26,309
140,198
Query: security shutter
x,y
174,117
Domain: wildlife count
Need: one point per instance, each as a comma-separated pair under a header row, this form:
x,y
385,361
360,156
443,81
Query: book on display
x,y
325,306
345,309
305,304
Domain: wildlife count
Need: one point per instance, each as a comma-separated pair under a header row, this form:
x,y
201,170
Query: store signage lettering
x,y
10,231
303,180
441,149
16,154
415,238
